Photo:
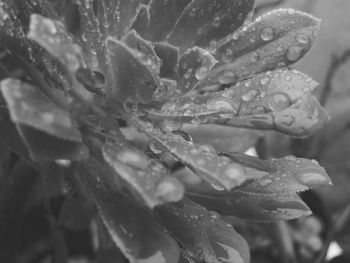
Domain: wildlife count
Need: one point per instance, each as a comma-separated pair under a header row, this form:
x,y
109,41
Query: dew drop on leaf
x,y
220,105
294,53
68,187
249,96
156,147
312,179
227,56
227,77
217,187
234,173
302,38
63,162
132,158
201,73
184,135
278,102
170,189
267,34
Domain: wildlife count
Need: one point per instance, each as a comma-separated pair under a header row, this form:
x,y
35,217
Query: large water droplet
x,y
227,77
302,38
170,189
249,96
254,57
132,158
313,179
170,125
156,147
184,135
278,102
63,162
294,53
220,105
218,187
267,34
216,22
235,174
201,73
227,56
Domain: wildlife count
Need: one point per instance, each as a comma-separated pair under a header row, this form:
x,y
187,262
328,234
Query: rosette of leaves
x,y
74,85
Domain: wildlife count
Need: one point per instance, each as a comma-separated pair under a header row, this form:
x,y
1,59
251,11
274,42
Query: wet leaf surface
x,y
132,77
134,230
276,39
149,178
169,56
202,23
202,159
28,106
279,100
204,234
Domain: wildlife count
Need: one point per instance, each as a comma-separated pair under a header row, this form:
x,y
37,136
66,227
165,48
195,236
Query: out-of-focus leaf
x,y
276,39
204,160
169,56
134,41
132,228
202,23
53,36
147,177
279,100
163,16
194,64
44,147
285,175
76,214
29,107
263,208
204,234
131,74
223,139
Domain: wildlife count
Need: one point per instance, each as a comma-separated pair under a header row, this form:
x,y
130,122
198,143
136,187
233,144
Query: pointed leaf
x,y
163,16
204,234
203,22
134,230
201,159
142,20
133,40
29,107
147,177
279,100
44,147
53,36
169,56
132,77
288,174
263,208
276,39
223,138
194,64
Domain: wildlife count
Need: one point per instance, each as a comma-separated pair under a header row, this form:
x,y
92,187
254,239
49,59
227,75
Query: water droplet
x,y
249,96
201,73
220,105
170,189
227,77
63,162
169,107
216,22
294,53
264,81
218,187
279,102
68,187
48,117
170,125
302,38
207,148
188,73
290,158
235,174
227,56
132,158
259,110
254,57
313,179
156,147
184,135
267,34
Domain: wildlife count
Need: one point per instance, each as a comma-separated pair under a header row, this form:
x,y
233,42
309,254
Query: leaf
x,y
203,160
261,208
194,64
202,23
285,175
135,41
147,177
276,39
52,35
163,16
222,138
132,78
279,100
204,234
29,107
44,147
169,56
133,229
